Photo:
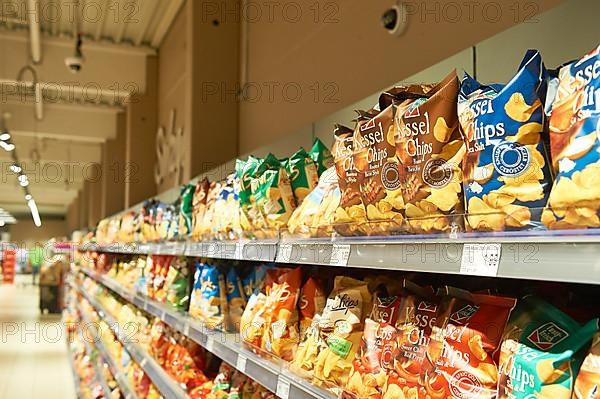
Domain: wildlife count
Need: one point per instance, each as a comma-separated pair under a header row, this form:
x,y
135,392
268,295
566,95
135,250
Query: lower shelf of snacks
x,y
322,332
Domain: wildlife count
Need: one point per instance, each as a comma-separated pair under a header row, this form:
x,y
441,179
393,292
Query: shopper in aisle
x,y
36,256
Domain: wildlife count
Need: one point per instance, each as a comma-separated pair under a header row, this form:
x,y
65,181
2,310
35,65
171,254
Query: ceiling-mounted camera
x,y
395,19
75,62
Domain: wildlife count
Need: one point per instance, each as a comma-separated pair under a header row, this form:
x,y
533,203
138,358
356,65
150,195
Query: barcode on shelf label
x,y
283,387
241,364
284,253
210,344
340,253
239,251
480,259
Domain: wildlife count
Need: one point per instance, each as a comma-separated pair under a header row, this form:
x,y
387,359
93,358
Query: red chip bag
x,y
464,339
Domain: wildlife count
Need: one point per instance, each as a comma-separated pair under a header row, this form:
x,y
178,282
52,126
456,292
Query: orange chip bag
x,y
467,332
280,335
587,385
312,301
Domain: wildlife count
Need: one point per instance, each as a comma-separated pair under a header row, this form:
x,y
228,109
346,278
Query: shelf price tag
x,y
241,363
284,253
340,253
283,387
210,344
480,259
186,329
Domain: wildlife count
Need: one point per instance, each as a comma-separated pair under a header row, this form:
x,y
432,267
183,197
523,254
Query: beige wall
x,y
25,232
350,57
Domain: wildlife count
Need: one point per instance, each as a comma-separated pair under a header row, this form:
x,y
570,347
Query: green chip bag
x,y
186,207
272,192
302,172
540,354
321,155
246,172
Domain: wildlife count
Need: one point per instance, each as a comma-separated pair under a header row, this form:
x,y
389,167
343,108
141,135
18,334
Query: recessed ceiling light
x,y
5,136
28,197
16,168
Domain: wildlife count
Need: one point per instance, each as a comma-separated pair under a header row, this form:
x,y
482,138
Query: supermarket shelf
x,y
124,386
532,256
227,346
76,380
165,384
97,370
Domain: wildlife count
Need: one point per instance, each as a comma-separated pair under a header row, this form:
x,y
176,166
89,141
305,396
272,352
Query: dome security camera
x,y
74,63
395,19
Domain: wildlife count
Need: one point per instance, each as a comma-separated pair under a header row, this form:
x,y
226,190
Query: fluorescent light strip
x,y
34,212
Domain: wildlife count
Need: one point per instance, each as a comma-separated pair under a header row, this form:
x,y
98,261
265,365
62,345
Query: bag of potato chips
x,y
321,155
314,217
539,355
416,317
252,322
302,173
587,385
312,302
350,216
185,209
236,300
280,336
199,207
376,353
460,354
575,197
506,173
430,149
374,154
206,228
341,327
211,306
274,197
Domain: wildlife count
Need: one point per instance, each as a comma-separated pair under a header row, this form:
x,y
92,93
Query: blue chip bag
x,y
236,300
506,172
209,297
574,132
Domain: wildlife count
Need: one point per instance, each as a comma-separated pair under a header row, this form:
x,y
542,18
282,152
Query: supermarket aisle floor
x,y
34,360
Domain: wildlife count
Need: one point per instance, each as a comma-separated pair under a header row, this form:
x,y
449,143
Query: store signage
x,y
169,154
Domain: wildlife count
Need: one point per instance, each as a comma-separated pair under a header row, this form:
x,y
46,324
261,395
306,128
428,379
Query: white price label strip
x,y
241,364
210,344
283,388
480,259
340,253
284,253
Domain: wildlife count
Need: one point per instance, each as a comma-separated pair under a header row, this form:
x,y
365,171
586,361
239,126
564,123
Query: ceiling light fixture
x,y
2,223
28,197
5,136
16,168
34,212
7,146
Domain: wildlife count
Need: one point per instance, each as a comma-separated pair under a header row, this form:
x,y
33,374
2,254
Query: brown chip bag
x,y
374,154
350,215
199,207
430,149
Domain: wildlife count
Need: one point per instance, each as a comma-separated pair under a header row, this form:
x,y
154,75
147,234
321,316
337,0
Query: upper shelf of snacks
x,y
426,175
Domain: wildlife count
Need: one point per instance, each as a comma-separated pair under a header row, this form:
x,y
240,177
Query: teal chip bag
x,y
302,172
506,173
541,352
321,155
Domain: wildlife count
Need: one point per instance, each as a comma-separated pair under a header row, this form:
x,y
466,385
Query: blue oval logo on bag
x,y
511,159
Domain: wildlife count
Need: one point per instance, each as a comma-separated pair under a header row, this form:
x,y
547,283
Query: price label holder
x,y
480,259
340,253
186,329
210,344
284,253
241,363
283,387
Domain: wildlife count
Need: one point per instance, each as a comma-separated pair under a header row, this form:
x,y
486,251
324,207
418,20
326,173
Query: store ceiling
x,y
79,111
